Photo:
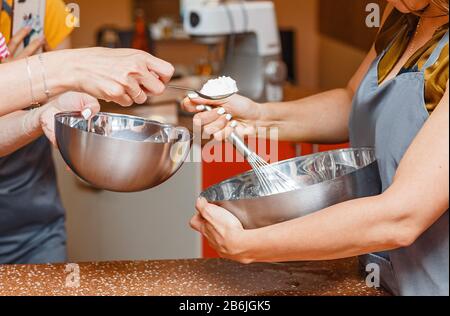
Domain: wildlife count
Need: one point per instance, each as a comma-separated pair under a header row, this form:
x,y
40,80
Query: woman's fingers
x,y
17,39
220,227
48,124
71,101
191,107
226,132
216,215
209,116
32,48
152,84
244,130
116,93
211,235
91,106
76,101
193,103
202,207
195,99
163,69
218,125
135,92
197,223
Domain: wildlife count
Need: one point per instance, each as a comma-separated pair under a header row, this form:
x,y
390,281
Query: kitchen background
x,y
324,41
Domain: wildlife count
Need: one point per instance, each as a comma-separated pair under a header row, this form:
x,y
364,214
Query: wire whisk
x,y
272,180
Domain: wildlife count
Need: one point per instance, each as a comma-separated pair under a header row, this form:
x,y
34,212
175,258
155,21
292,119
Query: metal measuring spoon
x,y
201,95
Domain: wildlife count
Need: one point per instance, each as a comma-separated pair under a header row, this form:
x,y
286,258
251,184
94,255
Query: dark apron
x,y
32,220
388,117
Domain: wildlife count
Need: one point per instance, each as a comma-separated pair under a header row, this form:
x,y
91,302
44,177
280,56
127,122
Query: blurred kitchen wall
x,y
323,61
338,62
344,39
301,16
326,61
97,13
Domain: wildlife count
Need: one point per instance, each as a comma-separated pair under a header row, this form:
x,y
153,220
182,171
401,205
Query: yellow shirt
x,y
55,27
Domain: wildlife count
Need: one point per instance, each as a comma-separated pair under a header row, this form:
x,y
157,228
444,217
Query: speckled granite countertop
x,y
188,277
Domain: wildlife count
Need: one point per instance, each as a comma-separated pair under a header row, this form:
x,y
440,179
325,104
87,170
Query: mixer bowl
x,y
121,153
324,179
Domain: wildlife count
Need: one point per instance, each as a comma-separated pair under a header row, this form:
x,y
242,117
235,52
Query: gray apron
x,y
32,223
388,117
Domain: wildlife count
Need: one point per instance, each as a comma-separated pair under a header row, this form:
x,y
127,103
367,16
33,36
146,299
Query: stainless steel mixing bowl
x,y
121,153
324,179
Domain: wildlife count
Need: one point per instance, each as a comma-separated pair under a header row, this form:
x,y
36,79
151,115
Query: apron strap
x,y
436,53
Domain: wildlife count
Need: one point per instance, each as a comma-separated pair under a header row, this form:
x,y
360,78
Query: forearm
x,y
19,129
417,198
322,118
16,83
344,230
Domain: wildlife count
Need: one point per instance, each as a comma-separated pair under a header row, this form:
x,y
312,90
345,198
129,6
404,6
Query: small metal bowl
x,y
324,179
121,153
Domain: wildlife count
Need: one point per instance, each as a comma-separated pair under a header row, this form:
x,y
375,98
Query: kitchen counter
x,y
189,278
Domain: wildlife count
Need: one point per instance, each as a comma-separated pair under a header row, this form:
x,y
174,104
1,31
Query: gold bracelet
x,y
34,102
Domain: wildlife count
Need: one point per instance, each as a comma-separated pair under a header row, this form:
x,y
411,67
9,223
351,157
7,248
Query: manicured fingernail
x,y
234,124
86,113
200,108
221,111
208,108
229,117
192,95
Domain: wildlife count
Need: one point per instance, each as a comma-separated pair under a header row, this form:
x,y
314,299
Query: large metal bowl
x,y
324,179
121,153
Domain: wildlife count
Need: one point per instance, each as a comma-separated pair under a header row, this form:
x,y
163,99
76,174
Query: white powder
x,y
219,86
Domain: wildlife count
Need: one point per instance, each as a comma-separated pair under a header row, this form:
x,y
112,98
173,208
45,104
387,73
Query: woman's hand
x,y
220,121
28,51
71,101
223,230
124,76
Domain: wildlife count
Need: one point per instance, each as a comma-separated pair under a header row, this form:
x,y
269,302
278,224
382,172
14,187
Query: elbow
x,y
404,236
404,225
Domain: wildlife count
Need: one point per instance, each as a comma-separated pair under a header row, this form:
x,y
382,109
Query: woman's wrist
x,y
62,72
265,115
260,114
247,246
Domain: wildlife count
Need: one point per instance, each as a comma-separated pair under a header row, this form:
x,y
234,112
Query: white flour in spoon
x,y
220,86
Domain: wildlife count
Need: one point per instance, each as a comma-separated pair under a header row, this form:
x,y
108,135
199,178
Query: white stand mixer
x,y
253,52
